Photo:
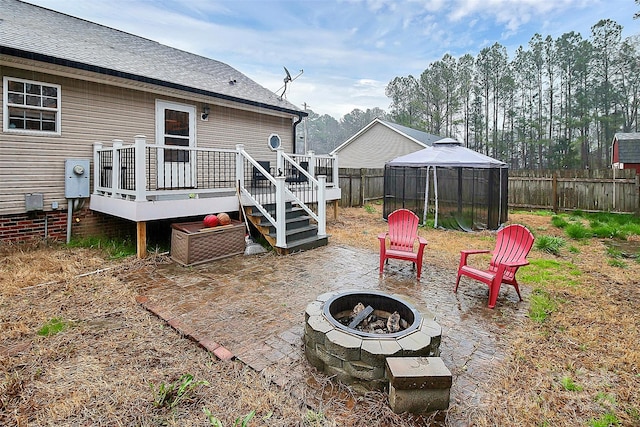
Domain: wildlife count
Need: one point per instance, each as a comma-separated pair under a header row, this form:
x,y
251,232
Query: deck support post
x,y
141,245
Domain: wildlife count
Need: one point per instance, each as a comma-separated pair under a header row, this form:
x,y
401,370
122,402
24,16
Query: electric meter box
x,y
76,178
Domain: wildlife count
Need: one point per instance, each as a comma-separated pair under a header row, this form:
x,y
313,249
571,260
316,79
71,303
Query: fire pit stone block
x,y
343,345
418,384
416,344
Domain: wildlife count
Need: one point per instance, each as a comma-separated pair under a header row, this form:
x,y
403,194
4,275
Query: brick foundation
x,y
52,225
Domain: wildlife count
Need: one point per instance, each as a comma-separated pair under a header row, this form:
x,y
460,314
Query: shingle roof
x,y
39,33
418,135
628,147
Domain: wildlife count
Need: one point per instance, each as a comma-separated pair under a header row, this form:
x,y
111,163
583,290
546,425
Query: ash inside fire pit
x,y
371,314
369,320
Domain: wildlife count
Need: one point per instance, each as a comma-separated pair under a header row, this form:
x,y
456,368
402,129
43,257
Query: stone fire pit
x,y
356,357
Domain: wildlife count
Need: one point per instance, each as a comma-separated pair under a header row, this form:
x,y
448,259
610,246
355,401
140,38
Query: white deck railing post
x,y
240,165
279,162
97,167
281,223
336,172
322,206
312,163
115,167
140,155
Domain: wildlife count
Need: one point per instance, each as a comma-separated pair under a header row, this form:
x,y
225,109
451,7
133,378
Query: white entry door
x,y
175,126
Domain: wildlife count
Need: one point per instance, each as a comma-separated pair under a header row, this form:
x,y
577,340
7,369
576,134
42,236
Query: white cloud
x,y
349,49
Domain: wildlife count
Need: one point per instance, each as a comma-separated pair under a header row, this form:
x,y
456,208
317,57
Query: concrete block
x,y
418,401
418,384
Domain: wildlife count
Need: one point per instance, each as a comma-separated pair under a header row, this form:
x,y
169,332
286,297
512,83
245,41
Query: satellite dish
x,y
288,79
288,76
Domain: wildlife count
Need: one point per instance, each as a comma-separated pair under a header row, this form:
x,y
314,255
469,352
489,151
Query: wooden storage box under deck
x,y
192,243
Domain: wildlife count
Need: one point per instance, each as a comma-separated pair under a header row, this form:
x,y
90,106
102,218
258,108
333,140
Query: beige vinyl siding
x,y
373,148
93,112
227,127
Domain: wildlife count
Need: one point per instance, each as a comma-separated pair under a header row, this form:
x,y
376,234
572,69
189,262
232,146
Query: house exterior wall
x,y
373,148
93,112
97,111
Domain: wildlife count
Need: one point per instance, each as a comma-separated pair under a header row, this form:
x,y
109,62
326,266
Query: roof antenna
x,y
287,79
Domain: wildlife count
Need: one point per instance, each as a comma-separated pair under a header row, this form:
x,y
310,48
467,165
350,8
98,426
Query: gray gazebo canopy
x,y
449,153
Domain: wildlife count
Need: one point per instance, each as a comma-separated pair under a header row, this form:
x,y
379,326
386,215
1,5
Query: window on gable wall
x,y
31,107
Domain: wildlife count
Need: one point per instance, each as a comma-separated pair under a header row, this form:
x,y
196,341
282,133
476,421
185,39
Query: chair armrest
x,y
383,235
475,251
465,253
422,240
520,263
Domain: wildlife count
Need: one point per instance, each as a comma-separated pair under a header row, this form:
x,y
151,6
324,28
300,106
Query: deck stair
x,y
301,233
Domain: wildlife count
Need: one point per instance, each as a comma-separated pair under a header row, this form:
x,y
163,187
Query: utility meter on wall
x,y
78,170
76,179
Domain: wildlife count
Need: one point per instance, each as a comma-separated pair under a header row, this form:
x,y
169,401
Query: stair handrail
x,y
318,184
283,193
242,154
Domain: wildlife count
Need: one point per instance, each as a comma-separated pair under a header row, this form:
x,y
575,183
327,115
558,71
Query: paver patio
x,y
252,308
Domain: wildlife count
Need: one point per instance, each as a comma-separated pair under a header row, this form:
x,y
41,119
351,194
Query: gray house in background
x,y
379,142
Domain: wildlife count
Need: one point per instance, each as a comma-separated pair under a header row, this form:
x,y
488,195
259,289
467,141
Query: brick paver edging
x,y
219,351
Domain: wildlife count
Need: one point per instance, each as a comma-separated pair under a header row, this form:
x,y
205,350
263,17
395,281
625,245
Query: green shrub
x,y
559,221
577,231
549,244
607,231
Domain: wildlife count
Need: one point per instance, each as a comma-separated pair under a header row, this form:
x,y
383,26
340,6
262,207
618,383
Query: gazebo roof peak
x,y
447,141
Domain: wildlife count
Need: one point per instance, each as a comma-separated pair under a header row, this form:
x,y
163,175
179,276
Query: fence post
x,y
637,194
554,192
362,198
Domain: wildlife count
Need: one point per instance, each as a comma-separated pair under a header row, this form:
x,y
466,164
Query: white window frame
x,y
6,105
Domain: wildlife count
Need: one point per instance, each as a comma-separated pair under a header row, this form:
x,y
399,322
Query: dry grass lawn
x,y
579,366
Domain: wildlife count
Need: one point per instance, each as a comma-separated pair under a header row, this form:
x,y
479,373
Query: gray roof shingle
x,y
35,32
418,135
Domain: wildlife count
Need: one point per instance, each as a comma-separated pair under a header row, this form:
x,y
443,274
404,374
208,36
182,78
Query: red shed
x,y
625,151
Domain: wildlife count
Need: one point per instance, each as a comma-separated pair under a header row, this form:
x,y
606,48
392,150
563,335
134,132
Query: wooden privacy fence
x,y
604,190
358,186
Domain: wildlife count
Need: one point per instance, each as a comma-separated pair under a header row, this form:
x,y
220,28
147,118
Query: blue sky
x,y
349,49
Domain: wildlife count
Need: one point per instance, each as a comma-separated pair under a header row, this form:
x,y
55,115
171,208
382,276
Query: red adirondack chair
x,y
400,240
513,244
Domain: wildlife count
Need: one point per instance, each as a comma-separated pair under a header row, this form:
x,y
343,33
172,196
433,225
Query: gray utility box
x,y
34,202
76,178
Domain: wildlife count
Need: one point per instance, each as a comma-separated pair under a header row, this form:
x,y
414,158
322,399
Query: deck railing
x,y
147,172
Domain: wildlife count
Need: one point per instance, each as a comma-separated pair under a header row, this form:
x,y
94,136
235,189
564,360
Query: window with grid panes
x,y
31,107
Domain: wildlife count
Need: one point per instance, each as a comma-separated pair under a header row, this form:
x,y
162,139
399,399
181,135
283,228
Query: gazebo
x,y
462,188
